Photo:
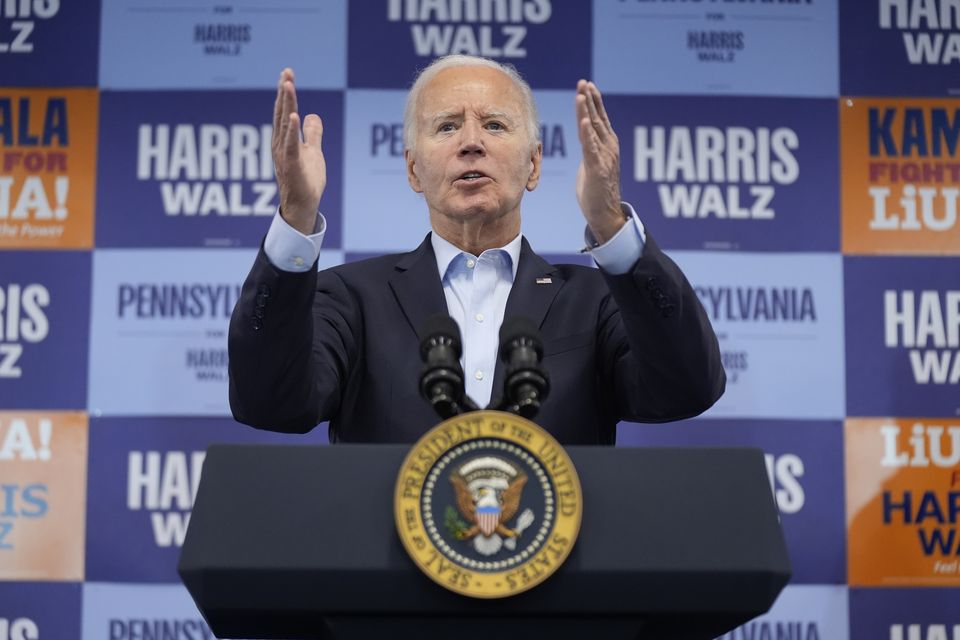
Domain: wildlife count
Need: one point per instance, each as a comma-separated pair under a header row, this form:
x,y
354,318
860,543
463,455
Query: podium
x,y
300,542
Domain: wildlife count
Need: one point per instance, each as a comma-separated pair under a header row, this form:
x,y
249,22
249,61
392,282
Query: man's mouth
x,y
472,176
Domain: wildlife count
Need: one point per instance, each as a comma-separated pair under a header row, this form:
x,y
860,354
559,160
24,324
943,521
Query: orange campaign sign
x,y
900,175
43,486
47,167
903,501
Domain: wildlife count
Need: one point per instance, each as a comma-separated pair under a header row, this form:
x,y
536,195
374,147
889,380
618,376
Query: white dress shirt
x,y
476,287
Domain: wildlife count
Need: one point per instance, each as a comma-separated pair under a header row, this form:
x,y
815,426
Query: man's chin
x,y
475,208
477,212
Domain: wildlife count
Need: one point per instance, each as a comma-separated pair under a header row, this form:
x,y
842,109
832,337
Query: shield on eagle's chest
x,y
488,517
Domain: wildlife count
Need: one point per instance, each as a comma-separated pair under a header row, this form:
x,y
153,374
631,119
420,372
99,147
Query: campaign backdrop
x,y
45,306
798,160
903,327
731,173
547,40
901,178
778,322
899,48
43,469
31,610
47,167
33,43
129,612
195,169
159,340
902,480
755,48
903,614
802,612
208,44
144,474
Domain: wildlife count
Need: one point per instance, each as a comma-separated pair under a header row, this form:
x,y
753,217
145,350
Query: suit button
x,y
264,290
258,313
256,323
652,283
667,310
262,299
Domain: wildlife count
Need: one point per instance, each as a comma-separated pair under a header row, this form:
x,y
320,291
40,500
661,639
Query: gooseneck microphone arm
x,y
526,384
441,380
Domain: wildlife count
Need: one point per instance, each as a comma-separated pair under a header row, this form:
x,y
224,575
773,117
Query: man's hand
x,y
598,179
300,167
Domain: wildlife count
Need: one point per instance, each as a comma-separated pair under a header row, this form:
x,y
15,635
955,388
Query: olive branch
x,y
453,523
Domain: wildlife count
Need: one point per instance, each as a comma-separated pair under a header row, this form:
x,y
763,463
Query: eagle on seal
x,y
485,510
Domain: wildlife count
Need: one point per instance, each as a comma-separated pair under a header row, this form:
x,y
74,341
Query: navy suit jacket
x,y
343,346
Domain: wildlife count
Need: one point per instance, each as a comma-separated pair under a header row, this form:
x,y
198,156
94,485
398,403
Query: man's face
x,y
473,155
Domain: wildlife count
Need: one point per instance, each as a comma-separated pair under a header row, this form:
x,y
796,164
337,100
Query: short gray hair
x,y
457,60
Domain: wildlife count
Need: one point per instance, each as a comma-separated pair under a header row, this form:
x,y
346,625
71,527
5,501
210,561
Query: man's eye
x,y
446,127
496,126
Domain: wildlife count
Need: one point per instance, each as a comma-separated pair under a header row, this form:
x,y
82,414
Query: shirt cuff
x,y
288,249
618,254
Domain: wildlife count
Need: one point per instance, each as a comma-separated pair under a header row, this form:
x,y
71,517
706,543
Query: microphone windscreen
x,y
439,325
519,327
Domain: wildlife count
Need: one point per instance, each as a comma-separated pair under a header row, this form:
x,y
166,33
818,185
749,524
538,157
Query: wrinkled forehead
x,y
474,90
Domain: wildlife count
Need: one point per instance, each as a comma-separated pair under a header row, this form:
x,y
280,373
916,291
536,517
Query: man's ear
x,y
536,159
411,173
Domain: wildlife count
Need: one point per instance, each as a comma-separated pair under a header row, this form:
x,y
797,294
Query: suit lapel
x,y
534,289
419,292
417,286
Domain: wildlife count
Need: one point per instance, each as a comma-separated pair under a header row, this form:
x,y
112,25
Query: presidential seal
x,y
488,504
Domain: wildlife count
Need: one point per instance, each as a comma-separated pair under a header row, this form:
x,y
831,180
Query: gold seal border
x,y
474,426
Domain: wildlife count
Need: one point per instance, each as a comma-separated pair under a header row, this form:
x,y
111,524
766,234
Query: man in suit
x,y
627,341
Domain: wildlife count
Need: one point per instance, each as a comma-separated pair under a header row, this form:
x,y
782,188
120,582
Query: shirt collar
x,y
446,252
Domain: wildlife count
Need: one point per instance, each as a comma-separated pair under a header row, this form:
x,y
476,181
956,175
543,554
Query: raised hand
x,y
598,178
299,164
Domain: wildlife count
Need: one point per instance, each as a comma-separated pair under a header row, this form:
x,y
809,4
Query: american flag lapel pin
x,y
547,280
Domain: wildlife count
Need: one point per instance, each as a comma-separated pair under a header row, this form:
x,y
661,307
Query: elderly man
x,y
626,341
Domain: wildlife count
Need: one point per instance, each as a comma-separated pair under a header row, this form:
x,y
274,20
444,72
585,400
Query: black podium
x,y
299,542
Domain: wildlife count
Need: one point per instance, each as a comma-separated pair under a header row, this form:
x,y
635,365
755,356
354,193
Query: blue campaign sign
x,y
194,169
899,48
769,48
552,220
223,44
138,612
801,612
44,318
143,478
805,466
903,336
753,174
49,43
779,320
904,614
548,41
383,214
48,610
159,334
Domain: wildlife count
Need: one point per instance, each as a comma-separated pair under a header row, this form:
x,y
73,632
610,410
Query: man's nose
x,y
471,140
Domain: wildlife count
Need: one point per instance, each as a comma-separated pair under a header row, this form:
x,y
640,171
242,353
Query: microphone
x,y
441,381
526,384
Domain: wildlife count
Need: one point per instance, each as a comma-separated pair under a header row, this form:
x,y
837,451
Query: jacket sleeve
x,y
660,357
292,344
